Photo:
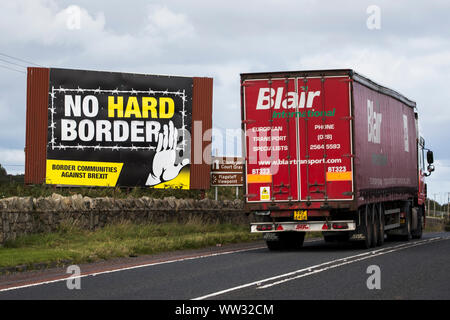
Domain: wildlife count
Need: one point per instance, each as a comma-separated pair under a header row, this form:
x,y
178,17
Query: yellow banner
x,y
259,178
339,176
82,173
182,181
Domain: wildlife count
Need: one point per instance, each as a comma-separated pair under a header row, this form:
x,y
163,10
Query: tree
x,y
3,175
3,172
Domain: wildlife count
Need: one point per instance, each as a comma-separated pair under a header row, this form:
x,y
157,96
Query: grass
x,y
438,227
434,228
119,240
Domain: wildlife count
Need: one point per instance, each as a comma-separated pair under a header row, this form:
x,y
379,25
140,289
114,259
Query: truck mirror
x,y
430,159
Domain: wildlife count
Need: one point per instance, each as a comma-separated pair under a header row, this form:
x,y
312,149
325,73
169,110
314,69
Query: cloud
x,y
78,35
164,23
12,124
410,53
45,23
12,160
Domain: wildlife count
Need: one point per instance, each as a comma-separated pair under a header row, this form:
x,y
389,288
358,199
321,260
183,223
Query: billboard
x,y
118,129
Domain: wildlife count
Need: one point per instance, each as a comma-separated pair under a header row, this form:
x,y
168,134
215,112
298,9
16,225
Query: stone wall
x,y
19,216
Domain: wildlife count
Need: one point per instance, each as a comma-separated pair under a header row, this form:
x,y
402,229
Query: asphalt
x,y
417,269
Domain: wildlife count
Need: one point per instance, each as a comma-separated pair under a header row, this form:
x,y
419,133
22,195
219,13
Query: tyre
x,y
339,237
295,240
273,241
417,234
274,245
380,219
407,228
366,226
375,225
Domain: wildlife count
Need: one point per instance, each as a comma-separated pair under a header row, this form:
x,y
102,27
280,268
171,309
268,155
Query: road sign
x,y
227,171
227,164
227,179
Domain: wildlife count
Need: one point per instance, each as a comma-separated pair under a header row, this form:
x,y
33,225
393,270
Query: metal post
x,y
448,203
237,192
434,204
217,166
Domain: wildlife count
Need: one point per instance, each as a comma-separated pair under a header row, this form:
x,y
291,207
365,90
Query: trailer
x,y
334,152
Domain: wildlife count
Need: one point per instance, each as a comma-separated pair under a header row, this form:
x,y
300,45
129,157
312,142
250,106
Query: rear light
x,y
402,214
340,225
264,227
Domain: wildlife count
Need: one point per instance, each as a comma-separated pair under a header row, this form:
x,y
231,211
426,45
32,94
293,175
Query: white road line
x,y
360,256
70,277
347,262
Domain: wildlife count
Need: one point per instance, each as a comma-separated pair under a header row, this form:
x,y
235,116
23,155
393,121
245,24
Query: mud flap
x,y
271,236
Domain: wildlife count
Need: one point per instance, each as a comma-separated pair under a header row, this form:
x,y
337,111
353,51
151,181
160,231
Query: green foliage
x,y
3,172
224,193
16,187
434,204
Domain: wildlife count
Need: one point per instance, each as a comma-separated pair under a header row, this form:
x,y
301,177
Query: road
x,y
417,269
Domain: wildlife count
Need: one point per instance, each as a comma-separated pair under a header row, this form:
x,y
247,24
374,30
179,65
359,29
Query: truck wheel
x,y
336,237
380,219
292,240
295,240
274,245
366,227
375,226
273,241
417,234
407,228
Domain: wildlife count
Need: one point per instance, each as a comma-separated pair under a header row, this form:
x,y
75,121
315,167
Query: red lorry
x,y
331,151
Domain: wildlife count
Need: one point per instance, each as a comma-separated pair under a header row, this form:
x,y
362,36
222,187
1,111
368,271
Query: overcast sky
x,y
409,52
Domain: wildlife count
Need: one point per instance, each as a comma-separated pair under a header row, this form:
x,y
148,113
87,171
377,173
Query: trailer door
x,y
298,139
271,140
325,144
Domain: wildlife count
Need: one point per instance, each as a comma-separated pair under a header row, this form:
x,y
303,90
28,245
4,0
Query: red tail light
x,y
264,227
341,225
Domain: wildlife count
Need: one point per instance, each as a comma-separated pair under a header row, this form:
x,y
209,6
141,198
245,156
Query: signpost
x,y
227,171
227,179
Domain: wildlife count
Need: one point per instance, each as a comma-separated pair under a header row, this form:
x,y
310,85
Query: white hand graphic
x,y
164,167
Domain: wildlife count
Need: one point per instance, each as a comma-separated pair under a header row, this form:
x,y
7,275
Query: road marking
x,y
70,277
372,254
310,270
